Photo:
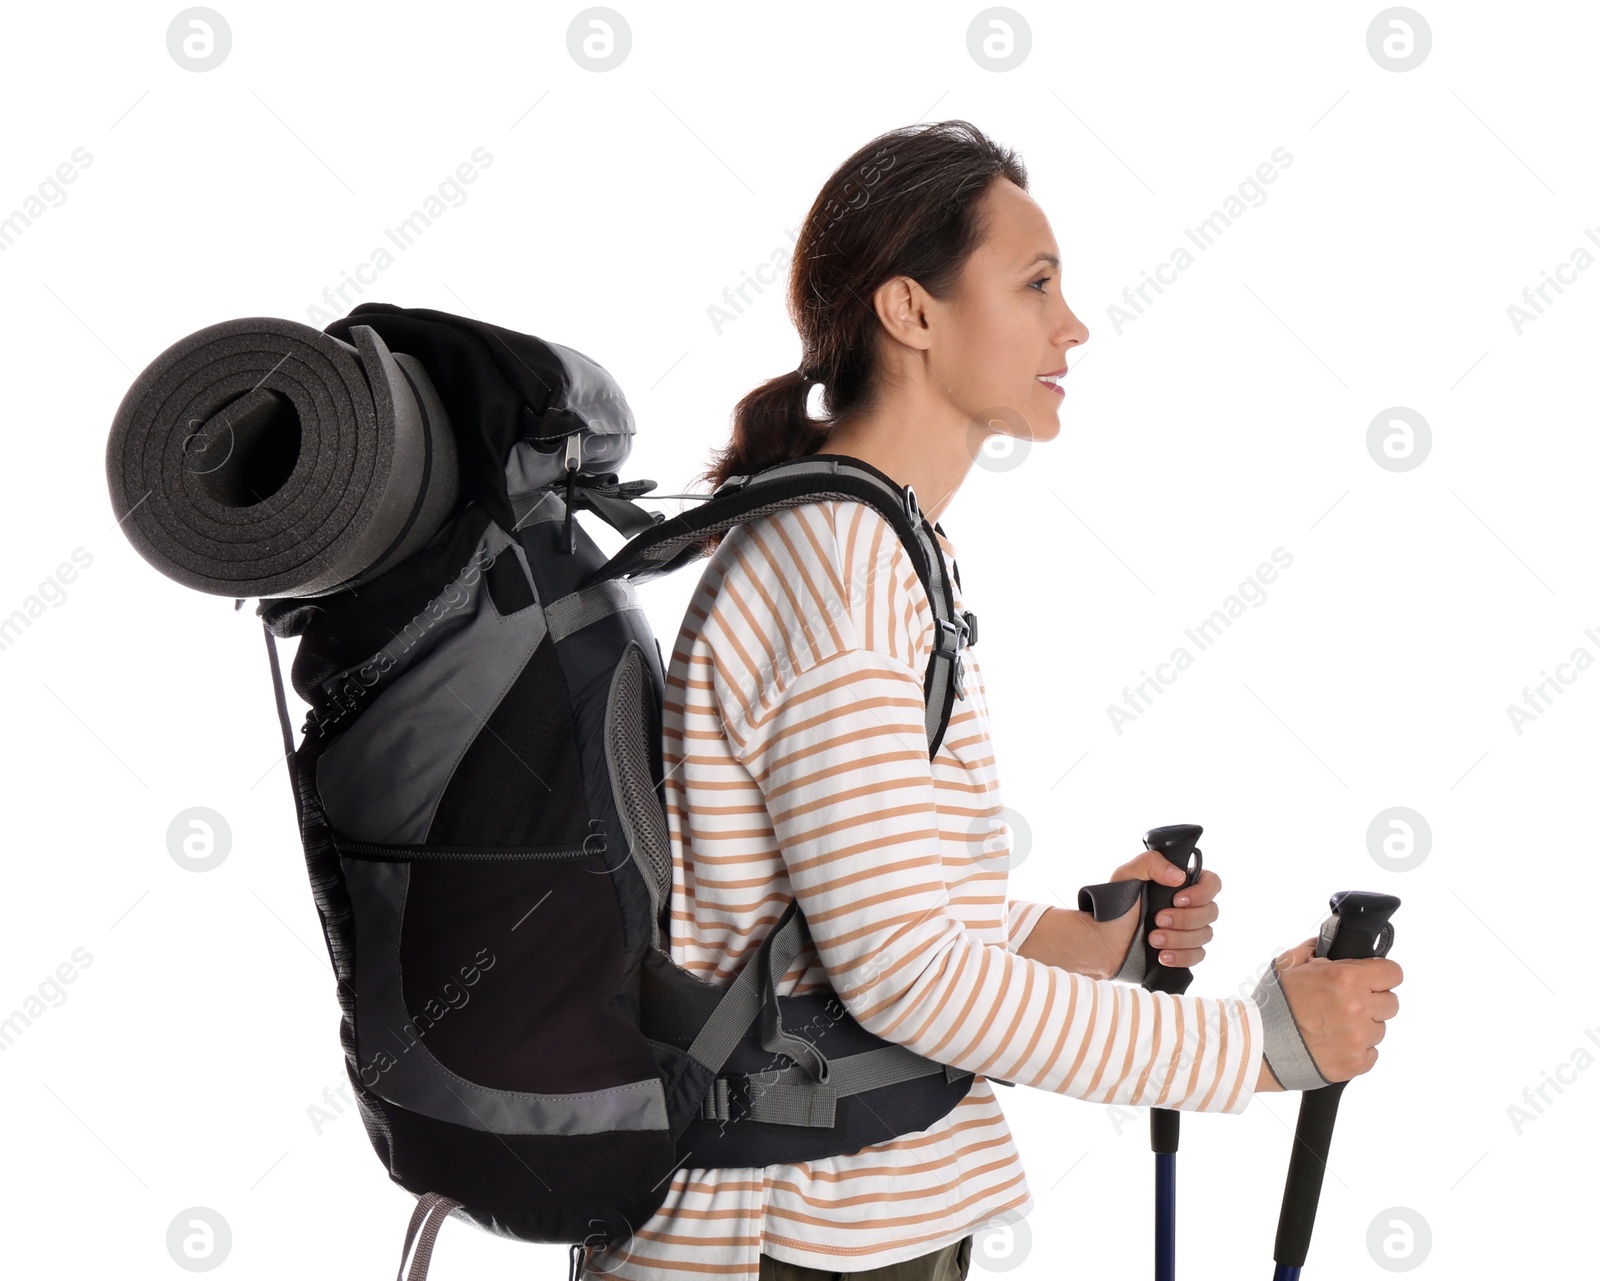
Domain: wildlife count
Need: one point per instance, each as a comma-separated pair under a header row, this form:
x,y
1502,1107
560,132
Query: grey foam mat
x,y
261,458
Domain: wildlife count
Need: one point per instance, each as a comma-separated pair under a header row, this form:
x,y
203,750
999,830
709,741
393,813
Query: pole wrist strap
x,y
1110,901
1285,1050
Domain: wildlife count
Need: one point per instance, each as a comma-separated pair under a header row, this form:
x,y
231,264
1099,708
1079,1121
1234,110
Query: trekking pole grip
x,y
1358,927
1177,845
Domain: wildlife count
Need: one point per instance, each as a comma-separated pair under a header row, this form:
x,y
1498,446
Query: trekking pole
x,y
1359,927
1177,845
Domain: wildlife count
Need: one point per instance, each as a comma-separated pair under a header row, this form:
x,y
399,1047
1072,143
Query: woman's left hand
x,y
1182,930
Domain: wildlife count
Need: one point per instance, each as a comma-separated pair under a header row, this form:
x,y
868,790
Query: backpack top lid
x,y
513,399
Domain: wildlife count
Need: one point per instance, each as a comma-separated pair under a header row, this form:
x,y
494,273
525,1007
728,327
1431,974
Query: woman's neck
x,y
933,462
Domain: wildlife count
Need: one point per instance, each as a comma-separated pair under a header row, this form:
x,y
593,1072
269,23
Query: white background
x,y
1229,419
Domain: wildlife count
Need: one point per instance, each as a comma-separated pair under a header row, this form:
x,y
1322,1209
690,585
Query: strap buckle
x,y
950,639
715,1105
961,631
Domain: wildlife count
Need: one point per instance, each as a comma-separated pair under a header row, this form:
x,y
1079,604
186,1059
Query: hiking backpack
x,y
478,788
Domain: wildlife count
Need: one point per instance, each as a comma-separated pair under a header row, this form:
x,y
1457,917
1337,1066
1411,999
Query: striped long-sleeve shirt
x,y
797,767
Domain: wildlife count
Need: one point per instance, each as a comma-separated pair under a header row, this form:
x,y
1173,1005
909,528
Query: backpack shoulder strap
x,y
681,539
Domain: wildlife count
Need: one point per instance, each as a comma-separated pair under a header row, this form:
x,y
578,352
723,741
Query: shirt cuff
x,y
1021,917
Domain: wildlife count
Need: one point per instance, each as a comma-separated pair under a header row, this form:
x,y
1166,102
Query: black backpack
x,y
478,788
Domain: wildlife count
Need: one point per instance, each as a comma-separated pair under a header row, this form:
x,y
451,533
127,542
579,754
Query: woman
x,y
926,294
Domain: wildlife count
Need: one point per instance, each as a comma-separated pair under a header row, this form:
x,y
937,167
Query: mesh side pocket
x,y
629,752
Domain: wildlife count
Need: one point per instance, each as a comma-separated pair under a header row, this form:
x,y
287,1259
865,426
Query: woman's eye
x,y
1039,281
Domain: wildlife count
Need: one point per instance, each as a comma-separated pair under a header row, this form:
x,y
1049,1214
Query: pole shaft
x,y
1166,1215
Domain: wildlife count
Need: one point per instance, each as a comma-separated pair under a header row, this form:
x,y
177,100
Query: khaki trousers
x,y
948,1264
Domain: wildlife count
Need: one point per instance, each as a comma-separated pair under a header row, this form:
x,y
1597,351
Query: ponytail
x,y
770,425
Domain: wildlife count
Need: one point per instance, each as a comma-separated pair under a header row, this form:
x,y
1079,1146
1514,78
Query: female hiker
x,y
926,289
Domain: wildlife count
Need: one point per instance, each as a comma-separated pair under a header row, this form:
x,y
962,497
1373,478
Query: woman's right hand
x,y
1340,1007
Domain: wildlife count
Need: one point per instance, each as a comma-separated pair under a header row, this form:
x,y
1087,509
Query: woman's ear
x,y
905,310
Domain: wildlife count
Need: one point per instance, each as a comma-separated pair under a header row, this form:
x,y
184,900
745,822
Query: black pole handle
x,y
1177,845
1358,927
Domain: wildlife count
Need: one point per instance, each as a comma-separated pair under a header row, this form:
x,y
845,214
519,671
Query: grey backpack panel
x,y
432,710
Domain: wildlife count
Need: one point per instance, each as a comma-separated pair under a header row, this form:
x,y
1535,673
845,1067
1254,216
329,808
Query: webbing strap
x,y
621,513
784,947
283,722
742,1001
790,1096
576,610
806,1093
740,498
949,634
792,1099
433,1208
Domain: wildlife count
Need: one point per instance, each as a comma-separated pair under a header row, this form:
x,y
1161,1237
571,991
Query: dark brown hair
x,y
906,204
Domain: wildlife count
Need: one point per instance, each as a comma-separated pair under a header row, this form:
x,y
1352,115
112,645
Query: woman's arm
x,y
818,641
840,754
1074,940
1069,940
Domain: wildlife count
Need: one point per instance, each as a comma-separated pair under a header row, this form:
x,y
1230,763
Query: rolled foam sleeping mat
x,y
263,458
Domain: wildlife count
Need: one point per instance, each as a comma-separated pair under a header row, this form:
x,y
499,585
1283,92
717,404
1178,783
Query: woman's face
x,y
1008,323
